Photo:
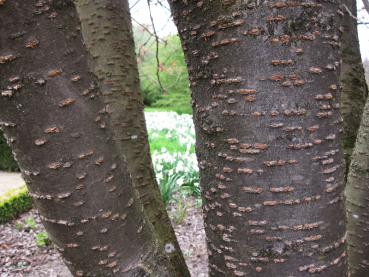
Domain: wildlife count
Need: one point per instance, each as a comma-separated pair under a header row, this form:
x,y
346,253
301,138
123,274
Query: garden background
x,y
166,95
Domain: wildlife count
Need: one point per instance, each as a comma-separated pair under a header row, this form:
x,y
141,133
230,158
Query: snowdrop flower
x,y
166,164
180,182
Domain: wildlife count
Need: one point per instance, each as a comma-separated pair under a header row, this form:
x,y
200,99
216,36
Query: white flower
x,y
179,128
180,182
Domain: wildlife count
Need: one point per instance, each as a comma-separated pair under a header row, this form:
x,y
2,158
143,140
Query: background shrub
x,y
7,162
13,203
173,73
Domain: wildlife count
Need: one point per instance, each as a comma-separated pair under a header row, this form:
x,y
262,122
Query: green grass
x,y
178,109
171,144
174,92
176,103
30,223
42,239
156,109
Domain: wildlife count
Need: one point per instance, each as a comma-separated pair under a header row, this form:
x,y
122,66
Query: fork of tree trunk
x,y
265,80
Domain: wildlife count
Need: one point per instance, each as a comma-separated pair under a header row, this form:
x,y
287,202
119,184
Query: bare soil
x,y
20,255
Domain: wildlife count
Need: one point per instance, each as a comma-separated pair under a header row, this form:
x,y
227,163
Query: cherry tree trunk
x,y
354,87
354,94
53,114
357,192
265,82
107,33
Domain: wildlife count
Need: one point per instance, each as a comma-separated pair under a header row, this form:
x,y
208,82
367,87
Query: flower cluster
x,y
176,171
173,125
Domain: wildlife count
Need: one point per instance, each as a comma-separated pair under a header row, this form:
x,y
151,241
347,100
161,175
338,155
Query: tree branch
x,y
366,5
355,17
349,12
157,49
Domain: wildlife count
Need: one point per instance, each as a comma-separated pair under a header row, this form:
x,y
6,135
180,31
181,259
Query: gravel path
x,y
20,255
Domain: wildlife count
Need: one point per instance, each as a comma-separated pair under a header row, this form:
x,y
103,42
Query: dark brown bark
x,y
264,78
357,192
354,94
53,115
107,32
354,87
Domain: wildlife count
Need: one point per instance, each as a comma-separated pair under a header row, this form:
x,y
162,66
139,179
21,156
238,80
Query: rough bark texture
x,y
51,111
357,192
107,32
354,88
264,78
354,93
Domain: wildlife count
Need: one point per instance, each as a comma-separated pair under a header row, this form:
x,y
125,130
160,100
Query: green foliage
x,y
191,186
42,239
156,109
7,162
178,186
181,210
170,143
13,203
179,110
19,226
173,73
175,182
175,102
168,187
198,203
30,223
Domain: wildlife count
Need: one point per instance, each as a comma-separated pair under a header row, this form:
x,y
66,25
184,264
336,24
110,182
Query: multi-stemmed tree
x,y
266,94
107,34
58,109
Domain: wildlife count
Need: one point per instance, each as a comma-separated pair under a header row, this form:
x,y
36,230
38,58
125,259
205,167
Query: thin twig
x,y
349,12
146,29
131,7
164,6
366,5
157,49
353,16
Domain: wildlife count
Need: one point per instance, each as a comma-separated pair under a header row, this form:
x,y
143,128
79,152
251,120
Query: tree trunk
x,y
107,33
53,115
357,192
354,88
264,78
354,93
